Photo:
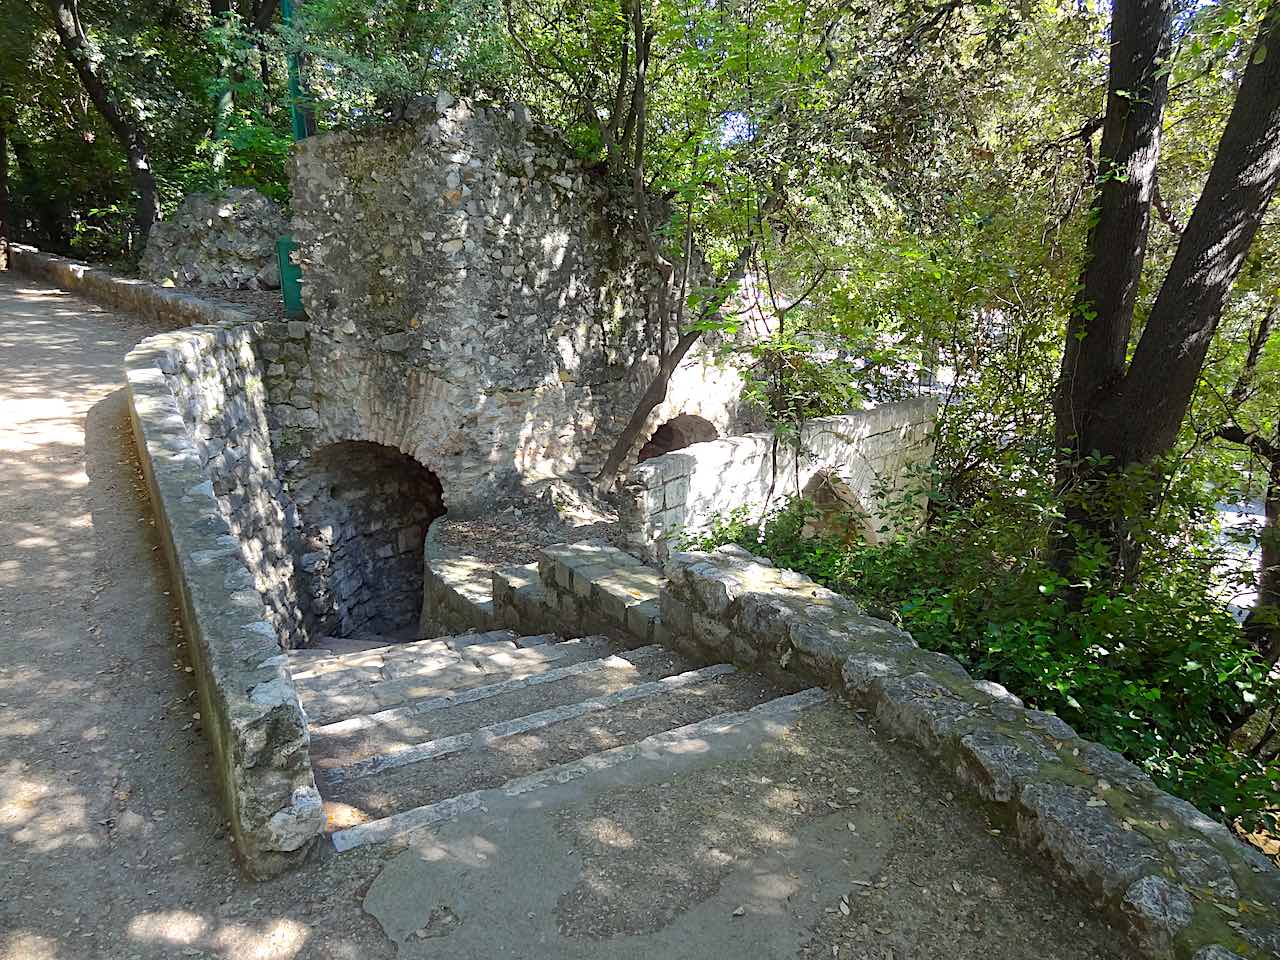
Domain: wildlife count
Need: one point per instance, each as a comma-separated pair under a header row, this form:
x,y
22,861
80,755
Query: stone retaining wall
x,y
196,405
1175,880
168,307
870,453
478,298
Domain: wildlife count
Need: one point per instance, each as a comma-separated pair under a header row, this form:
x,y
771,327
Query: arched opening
x,y
677,433
363,510
838,513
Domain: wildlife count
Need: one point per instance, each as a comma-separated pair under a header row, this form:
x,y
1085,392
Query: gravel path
x,y
111,842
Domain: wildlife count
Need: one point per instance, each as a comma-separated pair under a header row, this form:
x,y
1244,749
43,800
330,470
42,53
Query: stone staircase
x,y
405,735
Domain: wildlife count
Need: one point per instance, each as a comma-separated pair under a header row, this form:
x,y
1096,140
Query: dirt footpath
x,y
111,844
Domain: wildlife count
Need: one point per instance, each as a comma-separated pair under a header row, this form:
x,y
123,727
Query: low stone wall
x,y
197,409
169,307
1175,880
869,453
594,588
215,378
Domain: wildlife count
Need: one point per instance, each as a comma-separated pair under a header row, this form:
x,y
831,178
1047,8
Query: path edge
x,y
1175,882
249,705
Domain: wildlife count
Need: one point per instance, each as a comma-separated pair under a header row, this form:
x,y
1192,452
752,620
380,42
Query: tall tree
x,y
1113,415
126,127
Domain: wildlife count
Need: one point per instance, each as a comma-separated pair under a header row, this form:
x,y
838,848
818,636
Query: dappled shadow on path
x,y
112,842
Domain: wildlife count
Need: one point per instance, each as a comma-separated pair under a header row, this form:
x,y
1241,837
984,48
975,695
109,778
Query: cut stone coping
x,y
171,307
248,700
1176,881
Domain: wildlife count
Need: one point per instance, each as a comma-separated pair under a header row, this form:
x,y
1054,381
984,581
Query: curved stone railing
x,y
195,403
1173,879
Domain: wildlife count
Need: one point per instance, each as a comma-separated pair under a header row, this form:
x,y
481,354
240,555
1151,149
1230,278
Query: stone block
x,y
641,618
1084,837
1157,911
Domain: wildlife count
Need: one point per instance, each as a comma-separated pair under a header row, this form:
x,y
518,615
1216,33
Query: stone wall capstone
x,y
1173,879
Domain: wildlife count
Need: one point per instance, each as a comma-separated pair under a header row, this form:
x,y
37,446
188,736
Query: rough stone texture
x,y
215,377
224,239
868,454
1177,881
458,594
593,587
363,512
250,707
477,299
168,307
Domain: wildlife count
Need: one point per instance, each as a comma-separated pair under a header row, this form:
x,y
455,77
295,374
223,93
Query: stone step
x,y
305,668
441,675
707,737
435,770
347,741
405,753
373,669
459,592
358,675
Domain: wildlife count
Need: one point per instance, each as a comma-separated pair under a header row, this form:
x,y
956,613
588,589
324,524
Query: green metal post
x,y
295,80
290,272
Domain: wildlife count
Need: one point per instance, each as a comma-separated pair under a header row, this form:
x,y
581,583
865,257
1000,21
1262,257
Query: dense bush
x,y
1156,669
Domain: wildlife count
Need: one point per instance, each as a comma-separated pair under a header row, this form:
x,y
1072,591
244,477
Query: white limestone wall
x,y
871,451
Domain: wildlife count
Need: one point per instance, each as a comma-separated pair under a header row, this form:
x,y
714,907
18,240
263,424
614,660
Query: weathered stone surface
x,y
477,298
1083,834
997,765
1215,952
1097,819
222,239
683,492
1157,911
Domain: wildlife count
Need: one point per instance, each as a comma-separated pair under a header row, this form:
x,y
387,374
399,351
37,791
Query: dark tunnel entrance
x,y
363,513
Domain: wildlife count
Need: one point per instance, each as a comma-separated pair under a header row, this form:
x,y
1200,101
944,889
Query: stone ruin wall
x,y
219,390
474,307
869,455
363,512
477,299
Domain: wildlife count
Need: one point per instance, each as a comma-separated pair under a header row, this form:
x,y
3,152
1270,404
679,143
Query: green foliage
x,y
368,60
1157,670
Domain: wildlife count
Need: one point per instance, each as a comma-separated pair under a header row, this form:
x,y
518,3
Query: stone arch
x,y
840,512
677,433
362,510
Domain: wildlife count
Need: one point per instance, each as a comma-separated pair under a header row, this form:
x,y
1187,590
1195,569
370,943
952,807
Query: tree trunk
x,y
1132,417
1262,626
225,106
6,229
654,394
87,61
51,215
1263,623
